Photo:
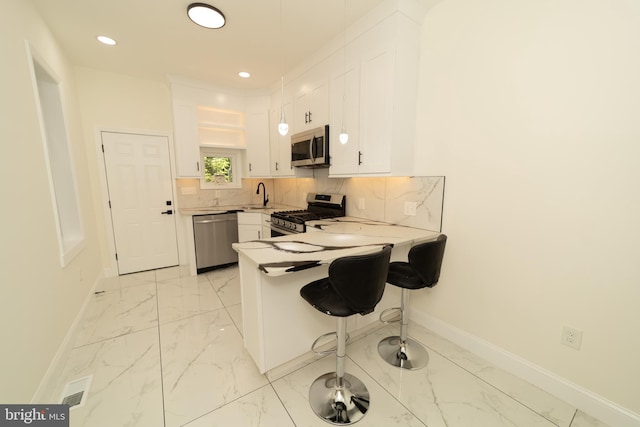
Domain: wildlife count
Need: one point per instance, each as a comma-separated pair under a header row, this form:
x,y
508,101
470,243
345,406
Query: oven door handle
x,y
281,230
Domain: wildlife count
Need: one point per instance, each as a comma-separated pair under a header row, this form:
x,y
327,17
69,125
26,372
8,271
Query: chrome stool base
x,y
339,405
412,355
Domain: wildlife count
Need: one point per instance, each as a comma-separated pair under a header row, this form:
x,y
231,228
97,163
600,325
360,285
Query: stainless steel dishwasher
x,y
213,236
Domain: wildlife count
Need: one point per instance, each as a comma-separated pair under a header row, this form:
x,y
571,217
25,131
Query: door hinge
x,y
109,204
102,148
116,256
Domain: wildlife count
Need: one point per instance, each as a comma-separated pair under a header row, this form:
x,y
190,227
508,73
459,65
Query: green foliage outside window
x,y
217,166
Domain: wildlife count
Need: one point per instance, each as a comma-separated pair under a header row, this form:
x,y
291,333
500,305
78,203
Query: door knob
x,y
167,212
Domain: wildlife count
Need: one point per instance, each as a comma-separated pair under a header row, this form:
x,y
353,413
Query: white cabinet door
x,y
280,145
344,110
376,109
258,144
186,144
311,105
249,232
367,107
382,143
249,226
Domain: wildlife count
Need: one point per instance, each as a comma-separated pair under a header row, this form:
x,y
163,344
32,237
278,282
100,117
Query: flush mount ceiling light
x,y
205,15
106,40
244,74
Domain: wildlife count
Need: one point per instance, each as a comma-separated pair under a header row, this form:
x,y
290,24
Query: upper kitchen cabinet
x,y
344,110
258,138
381,84
187,150
281,166
310,103
205,117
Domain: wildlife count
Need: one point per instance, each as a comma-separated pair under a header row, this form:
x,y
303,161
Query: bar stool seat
x,y
422,271
355,286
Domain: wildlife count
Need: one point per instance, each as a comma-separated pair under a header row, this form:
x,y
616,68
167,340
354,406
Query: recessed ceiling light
x,y
106,40
244,74
205,15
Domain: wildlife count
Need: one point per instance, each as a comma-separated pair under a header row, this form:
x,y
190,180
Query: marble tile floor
x,y
165,349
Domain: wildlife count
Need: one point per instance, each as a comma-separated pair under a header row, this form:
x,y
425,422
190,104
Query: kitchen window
x,y
221,169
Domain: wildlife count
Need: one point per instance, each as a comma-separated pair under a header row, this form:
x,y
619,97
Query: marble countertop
x,y
329,239
212,210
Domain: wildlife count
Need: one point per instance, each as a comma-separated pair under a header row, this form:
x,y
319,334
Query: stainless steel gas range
x,y
319,206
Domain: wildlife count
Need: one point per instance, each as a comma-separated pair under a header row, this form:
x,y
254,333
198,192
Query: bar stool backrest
x,y
360,279
426,260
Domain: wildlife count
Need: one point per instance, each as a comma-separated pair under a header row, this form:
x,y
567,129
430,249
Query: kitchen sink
x,y
259,207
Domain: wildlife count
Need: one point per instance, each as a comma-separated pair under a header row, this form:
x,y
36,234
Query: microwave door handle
x,y
311,154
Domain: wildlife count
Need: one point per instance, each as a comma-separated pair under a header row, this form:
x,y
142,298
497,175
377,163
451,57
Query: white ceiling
x,y
156,39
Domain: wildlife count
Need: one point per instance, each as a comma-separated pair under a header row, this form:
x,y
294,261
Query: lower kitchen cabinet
x,y
253,226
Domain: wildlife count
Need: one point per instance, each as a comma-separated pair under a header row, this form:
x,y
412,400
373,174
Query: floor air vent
x,y
75,392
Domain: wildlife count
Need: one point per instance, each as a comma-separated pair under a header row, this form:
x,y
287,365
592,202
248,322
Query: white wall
x,y
117,102
39,300
531,109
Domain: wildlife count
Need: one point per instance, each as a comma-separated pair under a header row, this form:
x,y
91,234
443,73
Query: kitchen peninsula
x,y
278,326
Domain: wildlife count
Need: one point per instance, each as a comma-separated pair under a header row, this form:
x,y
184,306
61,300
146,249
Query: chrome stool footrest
x,y
384,312
331,350
409,354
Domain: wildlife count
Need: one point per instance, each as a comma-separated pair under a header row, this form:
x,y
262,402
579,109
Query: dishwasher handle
x,y
209,221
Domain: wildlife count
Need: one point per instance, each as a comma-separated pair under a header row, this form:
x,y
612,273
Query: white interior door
x,y
141,199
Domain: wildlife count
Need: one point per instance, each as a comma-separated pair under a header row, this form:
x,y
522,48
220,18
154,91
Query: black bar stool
x,y
354,286
422,271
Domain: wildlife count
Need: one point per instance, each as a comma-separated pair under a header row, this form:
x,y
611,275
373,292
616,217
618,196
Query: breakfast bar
x,y
278,326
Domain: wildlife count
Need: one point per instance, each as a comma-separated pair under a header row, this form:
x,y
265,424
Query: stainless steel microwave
x,y
310,149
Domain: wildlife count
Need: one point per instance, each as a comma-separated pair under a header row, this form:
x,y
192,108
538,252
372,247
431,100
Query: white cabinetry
x,y
381,80
280,153
257,137
280,145
205,117
187,150
344,109
310,104
253,226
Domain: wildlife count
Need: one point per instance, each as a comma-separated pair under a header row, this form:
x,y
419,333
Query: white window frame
x,y
234,155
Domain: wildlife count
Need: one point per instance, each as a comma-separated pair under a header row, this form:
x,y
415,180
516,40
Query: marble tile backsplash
x,y
378,199
381,199
190,195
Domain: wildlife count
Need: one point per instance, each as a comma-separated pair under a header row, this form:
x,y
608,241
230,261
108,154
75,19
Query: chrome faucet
x,y
265,200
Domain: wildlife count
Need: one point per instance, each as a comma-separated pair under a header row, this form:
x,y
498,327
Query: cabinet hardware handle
x,y
198,166
259,236
309,116
359,157
249,167
276,165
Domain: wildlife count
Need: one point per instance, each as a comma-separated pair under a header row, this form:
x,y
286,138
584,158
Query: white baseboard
x,y
57,363
573,394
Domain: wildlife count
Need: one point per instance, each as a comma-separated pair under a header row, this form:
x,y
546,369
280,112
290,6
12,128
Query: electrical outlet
x,y
410,208
361,203
571,337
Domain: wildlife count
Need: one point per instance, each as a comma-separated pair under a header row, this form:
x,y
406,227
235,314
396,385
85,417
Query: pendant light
x,y
283,127
344,136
